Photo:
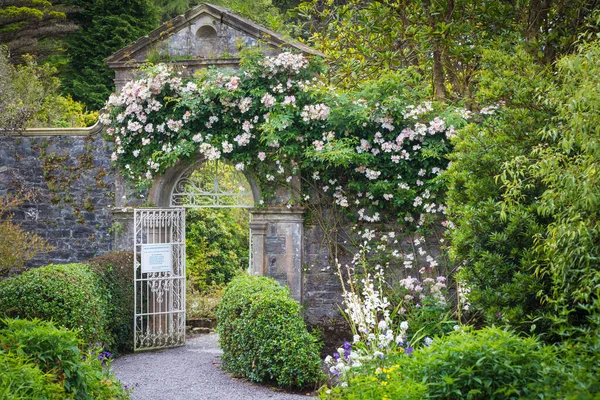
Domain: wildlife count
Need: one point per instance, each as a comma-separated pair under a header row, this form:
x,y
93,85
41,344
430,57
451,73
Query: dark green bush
x,y
115,271
263,336
70,295
60,364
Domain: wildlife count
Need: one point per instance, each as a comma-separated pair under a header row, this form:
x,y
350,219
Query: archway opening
x,y
217,198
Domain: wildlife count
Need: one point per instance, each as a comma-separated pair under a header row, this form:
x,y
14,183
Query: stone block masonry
x,y
69,174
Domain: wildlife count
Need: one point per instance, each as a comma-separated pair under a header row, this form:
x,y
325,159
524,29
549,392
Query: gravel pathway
x,y
189,372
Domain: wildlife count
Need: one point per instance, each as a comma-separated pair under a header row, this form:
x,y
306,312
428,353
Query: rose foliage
x,y
378,151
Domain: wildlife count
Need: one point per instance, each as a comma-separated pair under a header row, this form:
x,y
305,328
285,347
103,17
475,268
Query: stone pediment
x,y
206,35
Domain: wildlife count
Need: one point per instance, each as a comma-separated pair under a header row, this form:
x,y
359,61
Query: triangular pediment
x,y
206,32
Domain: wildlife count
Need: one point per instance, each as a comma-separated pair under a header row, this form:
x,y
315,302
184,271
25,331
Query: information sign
x,y
157,258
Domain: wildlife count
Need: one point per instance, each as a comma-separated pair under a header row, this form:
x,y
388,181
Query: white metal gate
x,y
159,265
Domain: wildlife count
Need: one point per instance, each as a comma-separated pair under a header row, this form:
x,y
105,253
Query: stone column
x,y
283,246
258,229
123,229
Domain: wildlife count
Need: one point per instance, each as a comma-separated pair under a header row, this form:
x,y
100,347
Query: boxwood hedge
x,y
263,336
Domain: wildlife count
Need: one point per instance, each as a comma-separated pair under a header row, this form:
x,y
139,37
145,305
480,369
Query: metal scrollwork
x,y
212,184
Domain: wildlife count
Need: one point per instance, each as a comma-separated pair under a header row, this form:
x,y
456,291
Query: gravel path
x,y
188,373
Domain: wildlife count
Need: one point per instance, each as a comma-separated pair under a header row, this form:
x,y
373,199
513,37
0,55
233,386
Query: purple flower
x,y
347,349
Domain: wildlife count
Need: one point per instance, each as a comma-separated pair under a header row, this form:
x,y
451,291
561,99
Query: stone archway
x,y
276,232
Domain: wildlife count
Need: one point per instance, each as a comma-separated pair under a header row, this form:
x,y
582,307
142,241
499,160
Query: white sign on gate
x,y
157,258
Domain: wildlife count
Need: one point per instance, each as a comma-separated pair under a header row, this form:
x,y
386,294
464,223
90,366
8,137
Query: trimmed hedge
x,y
115,271
69,295
40,361
263,336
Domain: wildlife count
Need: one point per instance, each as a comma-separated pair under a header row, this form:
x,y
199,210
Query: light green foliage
x,y
70,295
263,336
21,379
567,167
53,364
260,11
486,364
30,98
384,386
495,247
216,245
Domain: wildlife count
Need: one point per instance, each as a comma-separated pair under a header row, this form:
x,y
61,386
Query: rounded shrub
x,y
115,272
263,336
69,295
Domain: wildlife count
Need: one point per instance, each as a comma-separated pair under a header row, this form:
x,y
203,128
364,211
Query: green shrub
x,y
21,379
495,247
70,295
486,364
59,362
115,271
263,336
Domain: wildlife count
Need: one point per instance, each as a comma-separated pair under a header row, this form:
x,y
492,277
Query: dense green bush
x,y
115,271
70,295
52,363
486,364
263,336
216,246
496,247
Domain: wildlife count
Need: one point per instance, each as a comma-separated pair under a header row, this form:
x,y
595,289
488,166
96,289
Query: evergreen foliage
x,y
263,336
70,295
105,26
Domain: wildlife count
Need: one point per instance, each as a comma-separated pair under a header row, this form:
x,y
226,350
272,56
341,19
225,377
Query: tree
x,y
442,38
105,27
29,27
29,97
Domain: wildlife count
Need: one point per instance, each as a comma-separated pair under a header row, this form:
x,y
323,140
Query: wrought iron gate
x,y
159,266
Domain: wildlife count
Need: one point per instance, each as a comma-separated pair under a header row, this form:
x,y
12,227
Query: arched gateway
x,y
159,243
205,36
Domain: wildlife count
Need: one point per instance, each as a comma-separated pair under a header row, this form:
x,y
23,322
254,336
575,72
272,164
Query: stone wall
x,y
72,183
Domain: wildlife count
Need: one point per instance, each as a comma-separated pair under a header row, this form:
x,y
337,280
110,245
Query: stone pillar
x,y
258,229
123,229
283,246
